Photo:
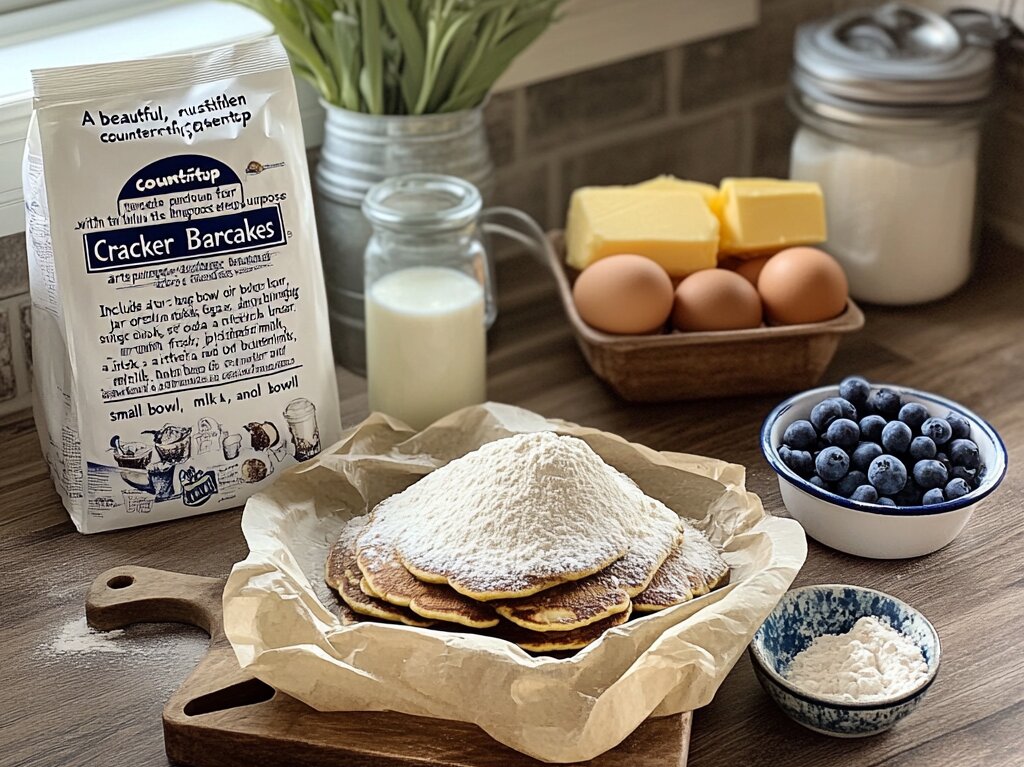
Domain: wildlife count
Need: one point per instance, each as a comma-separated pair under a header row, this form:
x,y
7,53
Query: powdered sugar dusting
x,y
525,508
647,551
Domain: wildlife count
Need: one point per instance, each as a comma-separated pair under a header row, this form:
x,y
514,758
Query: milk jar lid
x,y
897,60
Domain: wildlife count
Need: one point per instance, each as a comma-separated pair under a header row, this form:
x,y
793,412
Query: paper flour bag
x,y
180,342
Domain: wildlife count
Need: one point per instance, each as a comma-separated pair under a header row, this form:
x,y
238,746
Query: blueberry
x,y
896,437
843,433
967,475
832,464
856,391
910,495
886,403
871,428
801,462
800,435
848,408
865,453
887,474
957,488
922,448
864,494
824,413
930,474
943,459
964,452
885,501
913,414
938,429
818,482
933,496
848,484
959,424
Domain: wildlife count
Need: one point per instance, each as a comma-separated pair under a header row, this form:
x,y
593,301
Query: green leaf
x,y
403,23
371,78
346,42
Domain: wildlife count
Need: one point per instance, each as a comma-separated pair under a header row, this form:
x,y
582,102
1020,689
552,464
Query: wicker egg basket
x,y
695,365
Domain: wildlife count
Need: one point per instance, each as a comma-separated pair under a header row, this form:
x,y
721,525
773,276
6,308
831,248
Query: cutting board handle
x,y
125,595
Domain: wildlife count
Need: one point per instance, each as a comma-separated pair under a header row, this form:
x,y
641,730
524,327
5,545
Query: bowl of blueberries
x,y
881,471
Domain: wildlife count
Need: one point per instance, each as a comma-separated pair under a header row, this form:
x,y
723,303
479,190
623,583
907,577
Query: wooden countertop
x,y
60,707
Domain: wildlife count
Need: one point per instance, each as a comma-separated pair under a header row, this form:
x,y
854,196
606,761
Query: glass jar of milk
x,y
890,102
428,298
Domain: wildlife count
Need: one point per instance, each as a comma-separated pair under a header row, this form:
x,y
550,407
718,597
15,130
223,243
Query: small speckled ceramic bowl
x,y
809,612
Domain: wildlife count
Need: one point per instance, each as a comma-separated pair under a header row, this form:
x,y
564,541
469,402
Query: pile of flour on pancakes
x,y
532,538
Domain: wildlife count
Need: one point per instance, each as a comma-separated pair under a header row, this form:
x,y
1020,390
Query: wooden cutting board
x,y
223,717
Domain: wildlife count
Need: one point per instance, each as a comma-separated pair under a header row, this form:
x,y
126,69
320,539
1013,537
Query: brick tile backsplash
x,y
8,379
704,151
774,126
13,265
525,186
748,61
500,117
583,105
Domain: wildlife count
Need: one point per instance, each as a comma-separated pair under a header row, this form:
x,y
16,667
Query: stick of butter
x,y
667,183
766,214
673,227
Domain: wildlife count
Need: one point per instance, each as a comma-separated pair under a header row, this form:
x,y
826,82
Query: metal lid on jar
x,y
895,60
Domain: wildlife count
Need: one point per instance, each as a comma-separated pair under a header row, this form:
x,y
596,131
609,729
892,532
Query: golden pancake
x,y
342,573
522,587
553,641
580,603
568,605
384,577
531,641
692,570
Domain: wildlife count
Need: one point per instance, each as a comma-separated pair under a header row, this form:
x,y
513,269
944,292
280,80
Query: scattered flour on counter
x,y
77,637
873,661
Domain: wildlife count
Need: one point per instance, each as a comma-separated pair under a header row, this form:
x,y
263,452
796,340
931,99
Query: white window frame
x,y
593,32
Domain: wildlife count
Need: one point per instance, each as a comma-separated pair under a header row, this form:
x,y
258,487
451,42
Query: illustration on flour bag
x,y
180,341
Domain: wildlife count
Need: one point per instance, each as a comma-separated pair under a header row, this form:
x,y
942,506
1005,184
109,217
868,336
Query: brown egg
x,y
751,268
716,299
800,285
624,294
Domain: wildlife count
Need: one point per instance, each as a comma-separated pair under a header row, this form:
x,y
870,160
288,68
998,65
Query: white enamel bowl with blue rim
x,y
806,613
869,530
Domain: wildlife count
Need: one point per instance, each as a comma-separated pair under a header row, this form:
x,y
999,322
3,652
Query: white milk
x,y
426,349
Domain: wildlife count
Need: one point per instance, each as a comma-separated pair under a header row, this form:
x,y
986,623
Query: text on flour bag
x,y
181,352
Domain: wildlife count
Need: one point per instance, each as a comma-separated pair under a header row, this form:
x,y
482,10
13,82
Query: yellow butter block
x,y
674,228
672,184
765,214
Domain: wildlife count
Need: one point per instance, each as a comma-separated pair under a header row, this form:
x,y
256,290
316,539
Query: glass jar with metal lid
x,y
891,102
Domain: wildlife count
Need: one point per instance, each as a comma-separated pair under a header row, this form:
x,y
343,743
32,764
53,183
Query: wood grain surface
x,y
223,717
63,706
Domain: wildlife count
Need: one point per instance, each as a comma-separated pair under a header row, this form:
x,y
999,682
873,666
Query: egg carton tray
x,y
663,367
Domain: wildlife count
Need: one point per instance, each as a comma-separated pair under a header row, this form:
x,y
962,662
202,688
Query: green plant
x,y
405,56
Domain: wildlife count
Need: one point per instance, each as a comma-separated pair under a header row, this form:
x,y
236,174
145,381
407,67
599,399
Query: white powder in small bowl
x,y
871,662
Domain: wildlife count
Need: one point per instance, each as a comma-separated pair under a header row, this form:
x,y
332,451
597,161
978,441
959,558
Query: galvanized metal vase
x,y
358,151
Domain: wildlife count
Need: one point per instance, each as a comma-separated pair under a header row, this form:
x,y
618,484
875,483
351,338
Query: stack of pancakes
x,y
567,614
532,538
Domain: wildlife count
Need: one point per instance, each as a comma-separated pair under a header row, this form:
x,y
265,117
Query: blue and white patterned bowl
x,y
809,612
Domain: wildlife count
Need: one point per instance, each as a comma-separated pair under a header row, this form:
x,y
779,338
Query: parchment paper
x,y
281,618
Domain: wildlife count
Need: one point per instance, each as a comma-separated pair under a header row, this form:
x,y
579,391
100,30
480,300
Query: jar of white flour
x,y
890,102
